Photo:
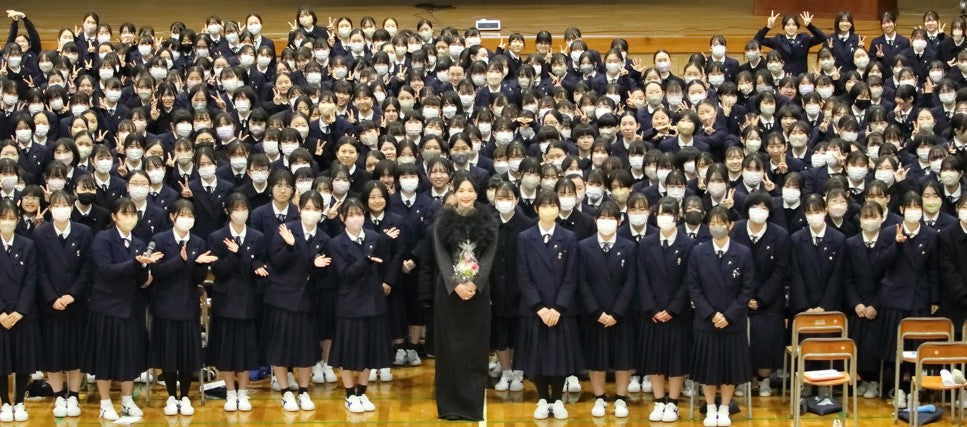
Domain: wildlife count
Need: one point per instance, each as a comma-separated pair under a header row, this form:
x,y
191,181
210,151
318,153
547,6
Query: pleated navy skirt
x,y
865,333
233,344
503,332
549,351
767,342
326,315
63,338
888,320
361,343
396,315
174,345
665,348
20,348
720,358
289,338
609,349
114,348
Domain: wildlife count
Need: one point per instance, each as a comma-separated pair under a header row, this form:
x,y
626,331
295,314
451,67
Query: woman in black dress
x,y
462,303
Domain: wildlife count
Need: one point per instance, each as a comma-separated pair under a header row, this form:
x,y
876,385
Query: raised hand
x,y
206,258
807,18
900,236
286,235
392,232
321,261
185,191
230,245
772,19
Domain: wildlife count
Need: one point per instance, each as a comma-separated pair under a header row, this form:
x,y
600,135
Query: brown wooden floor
x,y
408,400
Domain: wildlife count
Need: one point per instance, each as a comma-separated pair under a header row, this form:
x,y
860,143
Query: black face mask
x,y
862,104
86,198
694,218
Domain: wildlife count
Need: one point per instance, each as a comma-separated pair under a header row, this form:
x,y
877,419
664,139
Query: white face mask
x,y
206,172
607,226
758,215
505,206
816,220
665,222
184,224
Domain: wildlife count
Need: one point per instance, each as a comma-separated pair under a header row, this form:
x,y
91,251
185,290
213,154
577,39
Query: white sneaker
x,y
540,413
60,407
572,385
275,384
368,406
330,375
634,386
305,403
131,409
517,381
293,385
73,407
657,413
494,369
288,402
244,404
171,406
400,358
901,399
671,413
872,390
353,405
145,377
689,388
318,373
385,375
504,383
764,389
600,408
373,375
231,401
739,390
724,416
645,384
711,416
185,407
413,358
20,412
620,408
107,413
560,413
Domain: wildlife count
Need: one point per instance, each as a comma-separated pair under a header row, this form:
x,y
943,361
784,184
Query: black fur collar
x,y
478,227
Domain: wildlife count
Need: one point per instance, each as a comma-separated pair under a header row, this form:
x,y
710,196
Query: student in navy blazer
x,y
548,345
297,257
664,344
792,45
175,339
64,273
236,299
911,287
382,221
151,218
865,267
816,271
890,43
116,339
606,281
208,193
951,257
362,339
18,287
721,282
769,244
267,218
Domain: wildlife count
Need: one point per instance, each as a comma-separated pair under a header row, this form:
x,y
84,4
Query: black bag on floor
x,y
923,418
820,405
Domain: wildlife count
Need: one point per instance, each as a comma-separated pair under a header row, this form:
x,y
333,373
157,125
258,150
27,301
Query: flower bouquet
x,y
465,267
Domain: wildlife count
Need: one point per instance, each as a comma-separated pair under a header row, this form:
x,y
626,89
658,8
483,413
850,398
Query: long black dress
x,y
462,328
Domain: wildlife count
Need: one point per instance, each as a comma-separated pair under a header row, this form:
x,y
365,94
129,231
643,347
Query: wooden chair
x,y
921,329
937,353
826,350
804,324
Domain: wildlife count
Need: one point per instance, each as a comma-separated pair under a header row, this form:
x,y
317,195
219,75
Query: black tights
x,y
549,388
19,388
172,378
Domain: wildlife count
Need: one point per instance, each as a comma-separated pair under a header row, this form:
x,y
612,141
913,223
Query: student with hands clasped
x,y
175,341
721,281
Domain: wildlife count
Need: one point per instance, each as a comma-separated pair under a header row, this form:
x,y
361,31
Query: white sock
x,y
105,403
242,392
127,400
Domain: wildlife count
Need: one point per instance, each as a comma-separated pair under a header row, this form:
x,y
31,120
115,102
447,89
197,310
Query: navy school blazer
x,y
770,256
153,221
606,280
360,292
64,267
911,281
174,289
18,270
292,274
116,287
235,290
263,218
721,285
391,269
816,272
661,275
865,268
209,209
546,273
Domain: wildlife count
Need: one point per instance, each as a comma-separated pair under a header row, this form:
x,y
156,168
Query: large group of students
x,y
660,221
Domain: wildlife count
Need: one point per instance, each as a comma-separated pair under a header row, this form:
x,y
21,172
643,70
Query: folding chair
x,y
831,350
826,322
205,318
937,353
921,329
